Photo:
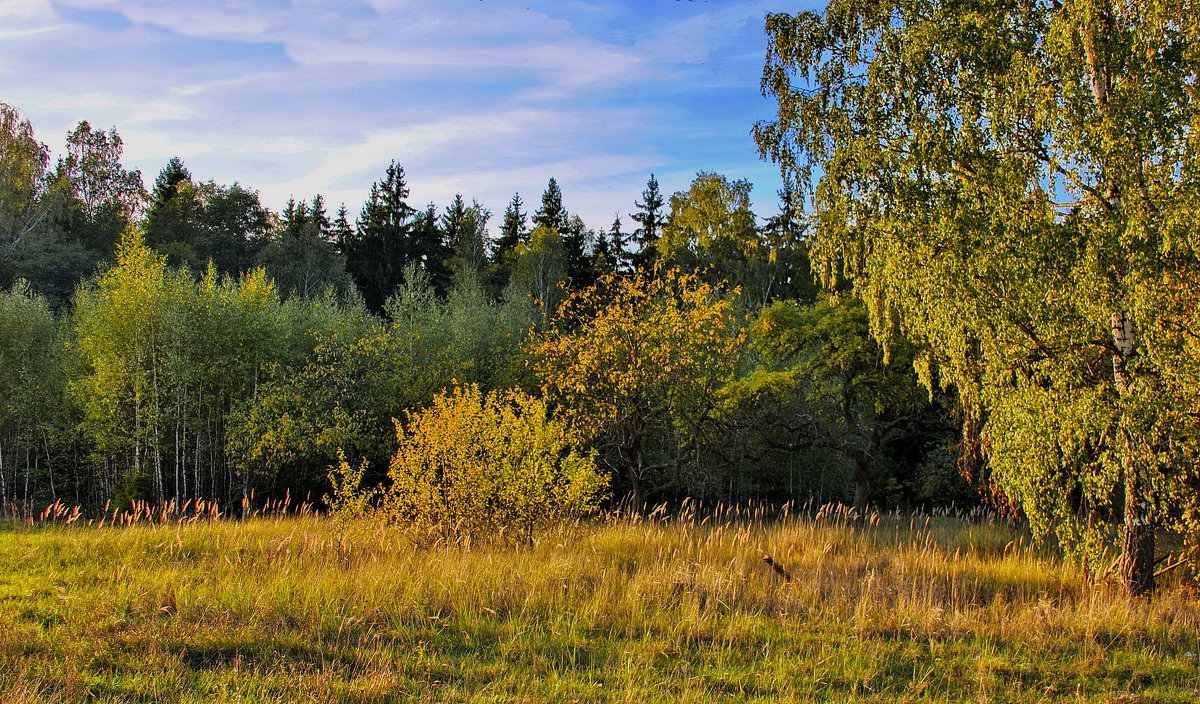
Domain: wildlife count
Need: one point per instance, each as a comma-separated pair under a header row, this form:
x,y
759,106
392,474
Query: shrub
x,y
484,466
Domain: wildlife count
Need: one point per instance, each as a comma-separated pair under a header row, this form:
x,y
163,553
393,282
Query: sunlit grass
x,y
287,609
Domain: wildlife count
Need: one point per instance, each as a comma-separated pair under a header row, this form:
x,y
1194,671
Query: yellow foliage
x,y
479,466
656,343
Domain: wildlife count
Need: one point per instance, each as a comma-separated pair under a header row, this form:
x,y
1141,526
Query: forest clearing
x,y
949,381
894,608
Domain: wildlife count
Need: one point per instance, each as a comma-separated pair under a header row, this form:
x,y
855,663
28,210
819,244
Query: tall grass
x,y
633,609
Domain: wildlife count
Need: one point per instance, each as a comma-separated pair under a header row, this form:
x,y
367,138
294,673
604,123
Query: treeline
x,y
186,342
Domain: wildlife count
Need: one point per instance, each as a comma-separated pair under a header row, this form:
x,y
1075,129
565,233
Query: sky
x,y
480,97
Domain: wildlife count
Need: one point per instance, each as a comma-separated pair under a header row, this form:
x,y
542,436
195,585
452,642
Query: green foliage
x,y
1013,186
835,394
349,500
475,466
163,359
301,255
195,223
650,220
361,378
711,227
32,381
539,267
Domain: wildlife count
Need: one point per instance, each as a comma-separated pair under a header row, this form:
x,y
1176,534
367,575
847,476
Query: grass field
x,y
272,610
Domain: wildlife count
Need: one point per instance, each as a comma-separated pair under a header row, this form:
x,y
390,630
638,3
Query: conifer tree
x,y
650,219
320,216
341,232
552,214
578,242
513,231
383,242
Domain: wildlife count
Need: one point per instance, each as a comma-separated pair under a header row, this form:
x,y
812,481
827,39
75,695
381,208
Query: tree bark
x,y
1137,546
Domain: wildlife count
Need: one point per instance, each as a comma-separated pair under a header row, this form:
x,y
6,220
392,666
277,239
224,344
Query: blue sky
x,y
482,97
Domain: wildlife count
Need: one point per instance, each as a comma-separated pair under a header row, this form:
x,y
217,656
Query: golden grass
x,y
288,609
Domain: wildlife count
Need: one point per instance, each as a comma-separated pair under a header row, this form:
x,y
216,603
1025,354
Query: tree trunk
x,y
861,495
1137,547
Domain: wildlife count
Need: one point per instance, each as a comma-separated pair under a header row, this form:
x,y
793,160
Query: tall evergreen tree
x,y
453,219
430,249
341,232
552,214
577,242
320,216
173,219
382,244
650,219
166,185
513,231
614,247
294,217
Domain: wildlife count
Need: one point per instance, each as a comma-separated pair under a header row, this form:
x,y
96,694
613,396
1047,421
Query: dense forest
x,y
185,342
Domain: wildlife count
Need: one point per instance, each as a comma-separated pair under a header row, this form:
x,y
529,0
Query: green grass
x,y
272,610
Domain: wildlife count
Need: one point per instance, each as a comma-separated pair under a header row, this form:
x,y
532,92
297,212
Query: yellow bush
x,y
475,466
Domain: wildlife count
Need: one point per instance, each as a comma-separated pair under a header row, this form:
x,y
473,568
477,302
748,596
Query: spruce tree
x,y
431,250
552,214
173,219
651,220
383,242
513,230
577,242
341,231
319,216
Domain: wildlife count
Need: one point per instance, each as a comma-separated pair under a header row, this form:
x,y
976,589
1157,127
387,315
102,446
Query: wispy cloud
x,y
485,98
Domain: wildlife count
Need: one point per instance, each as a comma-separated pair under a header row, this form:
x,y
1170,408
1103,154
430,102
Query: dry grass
x,y
287,609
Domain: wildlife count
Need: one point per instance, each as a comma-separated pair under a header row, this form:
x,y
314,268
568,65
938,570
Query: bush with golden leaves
x,y
475,466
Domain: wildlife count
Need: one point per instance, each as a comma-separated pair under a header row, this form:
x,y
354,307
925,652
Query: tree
x,y
341,233
362,377
513,233
383,243
650,221
105,198
712,227
552,214
465,230
301,256
1010,185
513,229
609,254
714,213
856,403
539,266
577,240
30,246
193,223
32,387
636,362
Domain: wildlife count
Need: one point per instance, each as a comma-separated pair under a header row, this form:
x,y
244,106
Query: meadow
x,y
297,608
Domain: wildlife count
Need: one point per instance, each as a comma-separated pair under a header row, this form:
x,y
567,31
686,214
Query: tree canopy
x,y
1013,186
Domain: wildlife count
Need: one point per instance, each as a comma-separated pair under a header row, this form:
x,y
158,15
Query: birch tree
x,y
1013,184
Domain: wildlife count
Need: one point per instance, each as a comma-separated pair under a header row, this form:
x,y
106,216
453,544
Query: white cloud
x,y
483,98
86,101
282,145
158,147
